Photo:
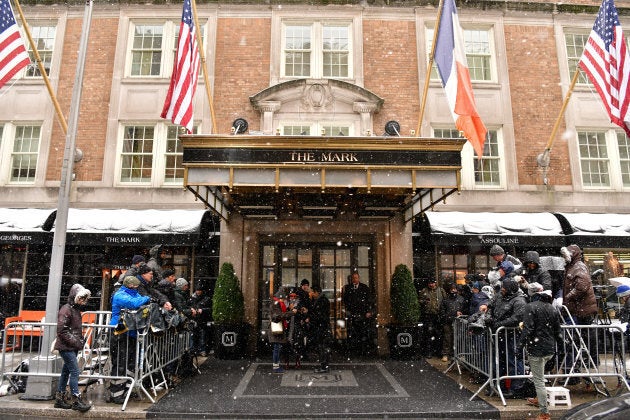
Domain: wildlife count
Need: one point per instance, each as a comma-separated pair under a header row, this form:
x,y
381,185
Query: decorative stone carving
x,y
317,97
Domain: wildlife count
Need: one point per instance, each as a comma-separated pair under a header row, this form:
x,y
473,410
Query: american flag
x,y
178,106
606,62
13,55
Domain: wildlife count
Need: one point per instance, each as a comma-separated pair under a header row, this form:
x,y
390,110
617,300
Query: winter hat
x,y
475,285
131,281
304,282
507,267
532,257
137,259
546,293
534,288
167,273
281,293
144,269
510,285
496,250
623,291
181,282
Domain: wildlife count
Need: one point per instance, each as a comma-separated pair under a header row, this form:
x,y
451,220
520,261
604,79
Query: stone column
x,y
267,109
365,109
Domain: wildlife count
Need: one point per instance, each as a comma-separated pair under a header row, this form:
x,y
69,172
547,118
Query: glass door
x,y
328,265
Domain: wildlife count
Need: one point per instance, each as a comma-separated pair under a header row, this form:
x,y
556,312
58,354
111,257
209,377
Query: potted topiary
x,y
404,329
228,312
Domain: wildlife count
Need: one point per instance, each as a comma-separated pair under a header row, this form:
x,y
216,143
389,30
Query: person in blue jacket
x,y
123,343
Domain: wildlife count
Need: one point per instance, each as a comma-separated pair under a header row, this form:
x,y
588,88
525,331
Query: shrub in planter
x,y
404,331
228,312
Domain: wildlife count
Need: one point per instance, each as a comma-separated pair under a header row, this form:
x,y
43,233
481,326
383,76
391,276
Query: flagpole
x,y
543,158
42,70
430,66
202,56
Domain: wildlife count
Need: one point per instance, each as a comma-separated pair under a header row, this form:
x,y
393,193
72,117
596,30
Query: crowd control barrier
x,y
590,353
154,354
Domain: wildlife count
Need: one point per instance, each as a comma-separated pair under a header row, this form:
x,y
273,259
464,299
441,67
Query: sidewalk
x,y
518,408
247,389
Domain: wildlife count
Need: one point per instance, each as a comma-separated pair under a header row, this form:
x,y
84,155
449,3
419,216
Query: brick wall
x,y
95,97
242,69
536,101
390,71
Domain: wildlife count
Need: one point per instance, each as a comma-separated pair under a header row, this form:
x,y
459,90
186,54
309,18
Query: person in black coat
x,y
359,304
320,325
453,305
534,273
541,333
507,310
69,341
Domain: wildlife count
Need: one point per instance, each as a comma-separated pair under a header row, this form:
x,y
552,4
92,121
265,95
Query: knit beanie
x,y
496,250
507,267
131,281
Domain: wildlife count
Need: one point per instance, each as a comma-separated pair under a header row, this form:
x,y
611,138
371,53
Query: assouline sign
x,y
321,156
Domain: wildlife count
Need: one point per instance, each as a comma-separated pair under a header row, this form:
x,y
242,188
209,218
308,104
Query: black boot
x,y
60,401
79,404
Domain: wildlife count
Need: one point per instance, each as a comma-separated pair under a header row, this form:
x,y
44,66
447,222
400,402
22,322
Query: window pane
x,y
24,155
623,142
146,53
297,50
594,159
44,38
487,171
173,168
477,46
335,48
137,154
296,130
336,130
575,45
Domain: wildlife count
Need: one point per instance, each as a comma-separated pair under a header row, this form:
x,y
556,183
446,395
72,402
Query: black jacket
x,y
541,329
508,310
320,318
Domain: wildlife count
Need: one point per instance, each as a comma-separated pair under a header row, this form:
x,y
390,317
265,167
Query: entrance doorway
x,y
328,265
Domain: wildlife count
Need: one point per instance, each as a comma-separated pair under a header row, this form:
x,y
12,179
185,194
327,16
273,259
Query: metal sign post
x,y
42,387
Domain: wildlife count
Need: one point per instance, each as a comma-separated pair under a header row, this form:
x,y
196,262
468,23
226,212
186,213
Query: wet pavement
x,y
366,389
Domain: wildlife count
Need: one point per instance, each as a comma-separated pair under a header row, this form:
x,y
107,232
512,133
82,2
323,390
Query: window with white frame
x,y
151,155
575,42
152,48
479,49
320,49
604,159
21,147
44,39
487,172
315,129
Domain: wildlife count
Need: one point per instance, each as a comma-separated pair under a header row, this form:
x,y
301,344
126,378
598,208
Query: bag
x,y
277,328
52,348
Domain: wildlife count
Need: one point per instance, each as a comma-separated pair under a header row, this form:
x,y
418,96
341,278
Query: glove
x,y
557,303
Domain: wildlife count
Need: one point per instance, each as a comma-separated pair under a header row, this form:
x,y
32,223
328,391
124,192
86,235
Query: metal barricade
x,y
591,353
152,353
473,349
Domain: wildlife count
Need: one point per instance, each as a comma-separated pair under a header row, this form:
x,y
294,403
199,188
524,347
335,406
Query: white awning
x,y
23,226
460,223
599,224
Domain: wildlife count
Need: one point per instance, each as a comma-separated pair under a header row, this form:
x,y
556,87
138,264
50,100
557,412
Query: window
x,y
153,47
479,51
146,50
317,50
484,173
44,38
23,164
315,129
575,43
151,154
604,159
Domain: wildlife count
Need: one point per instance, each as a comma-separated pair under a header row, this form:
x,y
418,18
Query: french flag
x,y
451,63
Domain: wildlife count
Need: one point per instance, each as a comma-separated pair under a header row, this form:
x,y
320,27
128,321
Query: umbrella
x,y
618,281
